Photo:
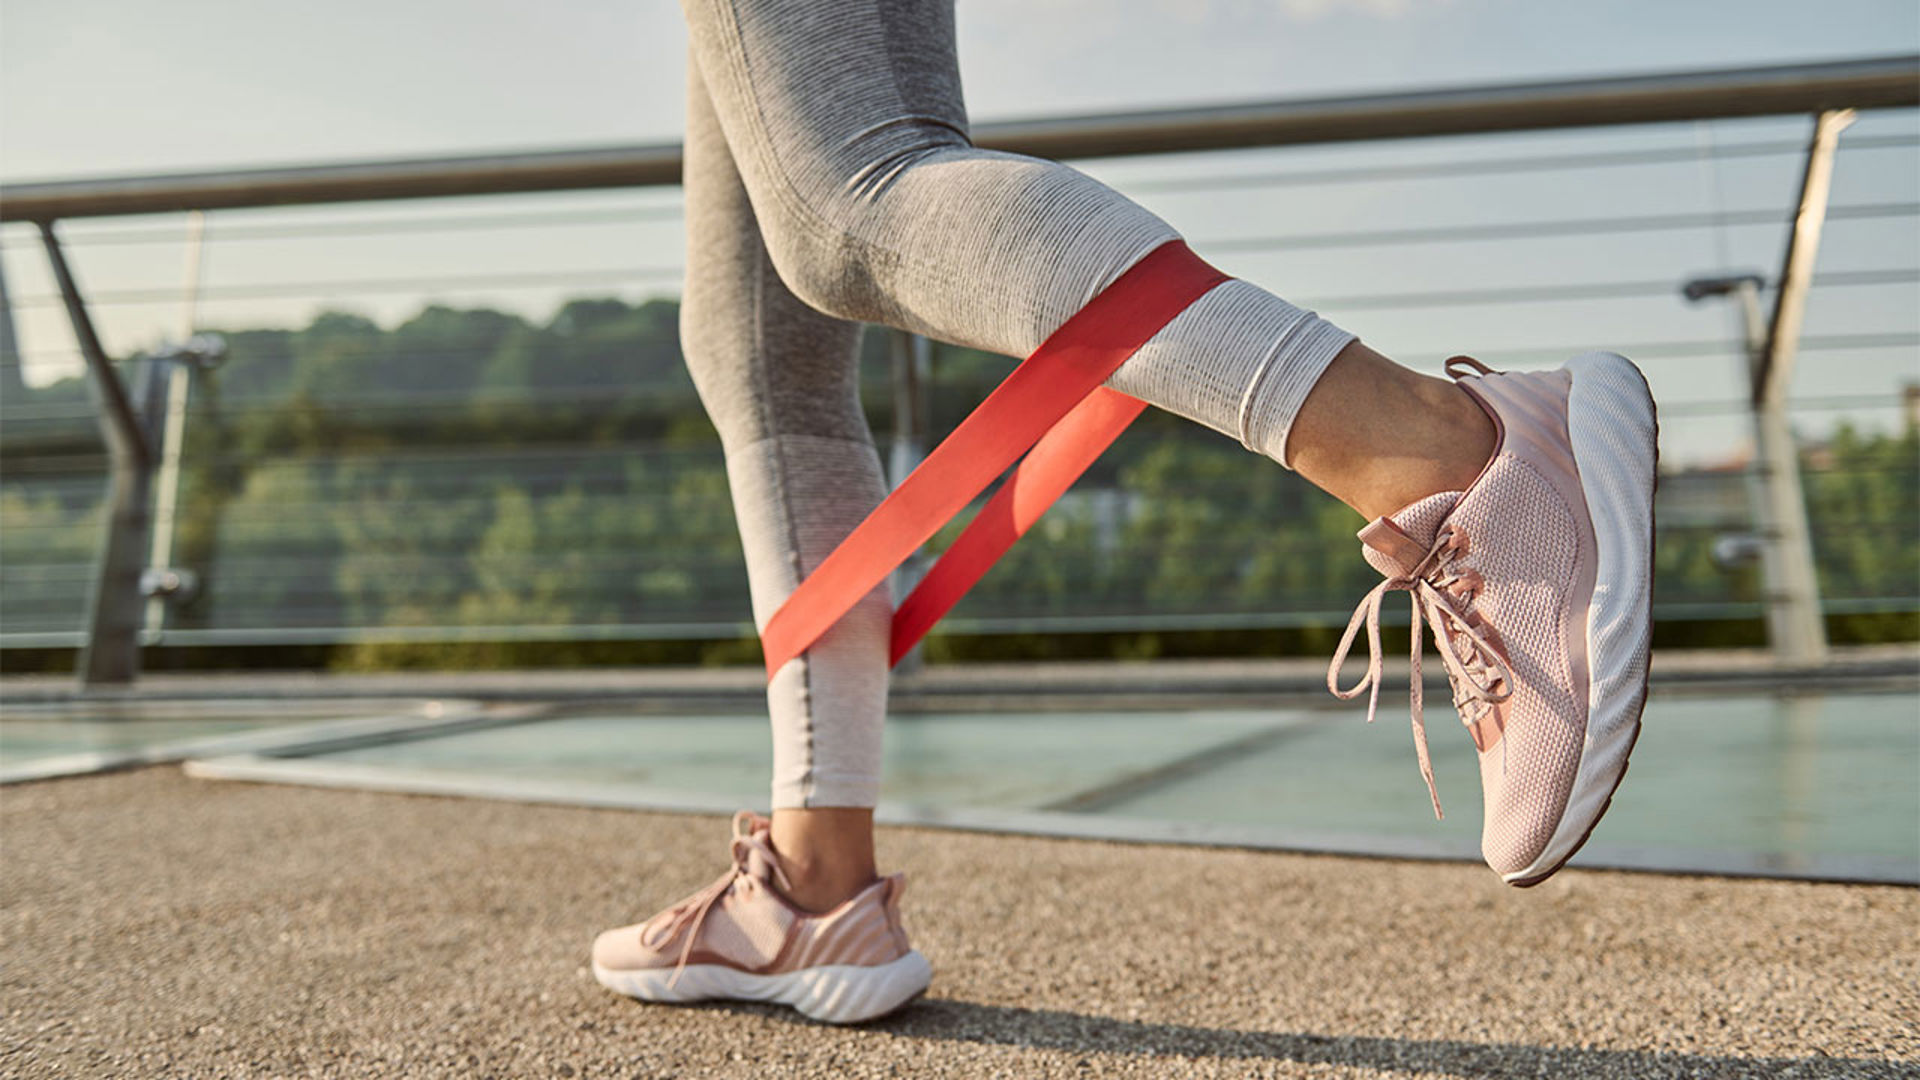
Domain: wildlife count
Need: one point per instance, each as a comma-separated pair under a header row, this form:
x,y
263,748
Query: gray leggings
x,y
830,181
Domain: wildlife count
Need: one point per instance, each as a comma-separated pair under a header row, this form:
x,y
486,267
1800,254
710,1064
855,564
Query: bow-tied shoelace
x,y
1441,591
690,914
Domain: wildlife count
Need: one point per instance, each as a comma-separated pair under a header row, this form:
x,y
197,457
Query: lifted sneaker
x,y
1535,581
739,939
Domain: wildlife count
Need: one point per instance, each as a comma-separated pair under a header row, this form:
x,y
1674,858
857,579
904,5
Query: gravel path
x,y
158,926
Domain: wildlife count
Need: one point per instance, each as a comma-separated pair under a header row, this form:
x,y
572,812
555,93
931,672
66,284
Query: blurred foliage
x,y
518,482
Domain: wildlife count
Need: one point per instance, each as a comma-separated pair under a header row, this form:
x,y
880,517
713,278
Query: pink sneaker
x,y
1535,581
740,939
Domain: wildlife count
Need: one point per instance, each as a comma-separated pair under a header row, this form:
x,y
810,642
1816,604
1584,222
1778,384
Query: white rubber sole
x,y
1614,429
834,993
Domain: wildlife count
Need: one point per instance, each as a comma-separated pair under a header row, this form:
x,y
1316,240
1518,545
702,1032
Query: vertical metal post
x,y
14,375
174,430
112,652
1794,623
911,359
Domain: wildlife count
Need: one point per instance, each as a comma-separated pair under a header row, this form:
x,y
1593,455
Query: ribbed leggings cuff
x,y
827,790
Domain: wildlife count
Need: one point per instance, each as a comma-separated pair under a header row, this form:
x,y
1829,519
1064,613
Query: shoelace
x,y
690,914
1440,591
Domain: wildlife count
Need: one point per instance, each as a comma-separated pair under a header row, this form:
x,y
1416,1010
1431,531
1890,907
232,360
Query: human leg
x,y
846,123
780,381
801,918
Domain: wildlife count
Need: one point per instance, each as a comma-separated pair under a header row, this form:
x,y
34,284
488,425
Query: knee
x,y
763,362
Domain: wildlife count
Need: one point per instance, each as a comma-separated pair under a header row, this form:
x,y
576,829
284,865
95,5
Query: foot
x,y
1535,581
741,939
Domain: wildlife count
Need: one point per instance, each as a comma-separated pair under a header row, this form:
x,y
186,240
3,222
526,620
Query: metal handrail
x,y
1880,82
1829,90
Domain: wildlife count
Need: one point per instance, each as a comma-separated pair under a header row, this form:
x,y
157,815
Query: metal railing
x,y
141,431
1879,82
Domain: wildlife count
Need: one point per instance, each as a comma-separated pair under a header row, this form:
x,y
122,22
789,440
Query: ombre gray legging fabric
x,y
830,181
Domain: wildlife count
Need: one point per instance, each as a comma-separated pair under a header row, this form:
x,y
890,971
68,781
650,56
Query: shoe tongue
x,y
755,855
1395,544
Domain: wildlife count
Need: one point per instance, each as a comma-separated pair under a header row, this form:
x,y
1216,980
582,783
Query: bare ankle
x,y
823,891
825,852
1378,436
1468,440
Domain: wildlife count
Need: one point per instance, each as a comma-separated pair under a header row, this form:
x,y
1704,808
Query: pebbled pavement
x,y
164,927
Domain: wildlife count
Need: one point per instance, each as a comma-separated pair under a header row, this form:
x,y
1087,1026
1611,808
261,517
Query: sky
x,y
119,87
115,86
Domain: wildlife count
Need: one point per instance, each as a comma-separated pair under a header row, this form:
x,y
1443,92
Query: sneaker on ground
x,y
1535,582
740,939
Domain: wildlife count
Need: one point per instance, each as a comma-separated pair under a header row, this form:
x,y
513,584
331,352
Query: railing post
x,y
112,653
164,583
13,376
911,359
1795,626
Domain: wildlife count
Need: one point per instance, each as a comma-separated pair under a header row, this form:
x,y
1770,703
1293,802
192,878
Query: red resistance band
x,y
1053,404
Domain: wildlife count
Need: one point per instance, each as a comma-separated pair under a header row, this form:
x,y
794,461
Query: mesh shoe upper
x,y
1503,575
